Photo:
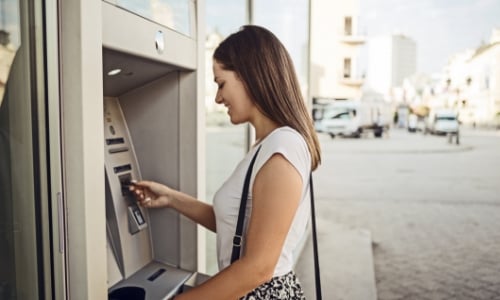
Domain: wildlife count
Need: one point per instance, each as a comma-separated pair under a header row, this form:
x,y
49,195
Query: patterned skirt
x,y
285,287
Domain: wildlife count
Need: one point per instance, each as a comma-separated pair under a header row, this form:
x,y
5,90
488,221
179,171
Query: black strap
x,y
315,241
235,255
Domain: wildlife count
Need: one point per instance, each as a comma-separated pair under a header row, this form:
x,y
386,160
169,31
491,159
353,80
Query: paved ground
x,y
433,210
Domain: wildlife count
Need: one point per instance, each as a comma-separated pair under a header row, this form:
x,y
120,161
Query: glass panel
x,y
226,143
291,26
175,14
9,39
20,266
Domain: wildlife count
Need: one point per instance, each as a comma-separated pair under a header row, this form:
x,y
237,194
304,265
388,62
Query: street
x,y
433,210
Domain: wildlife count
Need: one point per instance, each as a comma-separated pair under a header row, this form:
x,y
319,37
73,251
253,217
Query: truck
x,y
355,118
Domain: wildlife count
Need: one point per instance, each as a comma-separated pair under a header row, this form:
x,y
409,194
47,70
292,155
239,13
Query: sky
x,y
440,28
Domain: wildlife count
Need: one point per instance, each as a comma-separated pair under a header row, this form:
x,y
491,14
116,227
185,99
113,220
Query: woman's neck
x,y
263,127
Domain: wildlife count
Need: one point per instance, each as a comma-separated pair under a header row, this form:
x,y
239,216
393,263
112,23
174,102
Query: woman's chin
x,y
235,121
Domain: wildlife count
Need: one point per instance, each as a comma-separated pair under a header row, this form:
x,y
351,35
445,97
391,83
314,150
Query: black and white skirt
x,y
285,287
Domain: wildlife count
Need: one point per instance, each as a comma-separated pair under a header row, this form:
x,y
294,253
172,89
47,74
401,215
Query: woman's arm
x,y
200,212
276,195
152,194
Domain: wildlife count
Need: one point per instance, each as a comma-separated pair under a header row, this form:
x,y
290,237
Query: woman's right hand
x,y
151,194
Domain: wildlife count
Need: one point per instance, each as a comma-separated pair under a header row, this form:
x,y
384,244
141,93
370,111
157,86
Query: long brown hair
x,y
267,72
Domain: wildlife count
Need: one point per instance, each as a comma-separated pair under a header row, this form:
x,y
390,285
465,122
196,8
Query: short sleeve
x,y
291,145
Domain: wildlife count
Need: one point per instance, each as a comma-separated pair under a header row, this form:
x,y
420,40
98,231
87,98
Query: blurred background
x,y
405,96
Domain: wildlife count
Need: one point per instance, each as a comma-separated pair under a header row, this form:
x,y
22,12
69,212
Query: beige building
x,y
473,79
335,46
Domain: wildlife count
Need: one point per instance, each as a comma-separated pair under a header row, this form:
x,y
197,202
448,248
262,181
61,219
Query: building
x,y
473,83
391,59
336,41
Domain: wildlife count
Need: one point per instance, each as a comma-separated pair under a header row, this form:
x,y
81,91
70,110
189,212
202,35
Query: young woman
x,y
257,83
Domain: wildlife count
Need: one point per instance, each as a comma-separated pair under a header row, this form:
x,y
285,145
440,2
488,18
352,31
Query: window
x,y
348,25
175,14
347,68
291,26
21,249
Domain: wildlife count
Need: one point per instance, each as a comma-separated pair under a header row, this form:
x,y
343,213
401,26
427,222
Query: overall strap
x,y
237,239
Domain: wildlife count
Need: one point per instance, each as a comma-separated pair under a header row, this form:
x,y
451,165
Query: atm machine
x,y
150,84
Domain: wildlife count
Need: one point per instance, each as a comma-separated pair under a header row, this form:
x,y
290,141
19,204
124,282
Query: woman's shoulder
x,y
285,133
289,143
285,137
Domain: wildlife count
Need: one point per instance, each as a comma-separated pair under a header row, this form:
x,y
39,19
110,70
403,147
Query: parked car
x,y
442,122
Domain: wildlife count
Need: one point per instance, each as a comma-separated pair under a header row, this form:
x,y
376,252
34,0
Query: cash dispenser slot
x,y
115,141
122,168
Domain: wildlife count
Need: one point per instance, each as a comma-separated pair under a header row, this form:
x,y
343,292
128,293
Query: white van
x,y
443,121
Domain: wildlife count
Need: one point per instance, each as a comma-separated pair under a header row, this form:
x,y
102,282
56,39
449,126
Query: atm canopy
x,y
135,71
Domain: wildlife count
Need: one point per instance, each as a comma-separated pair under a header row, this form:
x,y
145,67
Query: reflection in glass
x,y
175,14
9,39
291,26
225,143
19,216
7,53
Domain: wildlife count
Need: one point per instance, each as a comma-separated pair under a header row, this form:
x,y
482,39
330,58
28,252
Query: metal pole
x,y
250,132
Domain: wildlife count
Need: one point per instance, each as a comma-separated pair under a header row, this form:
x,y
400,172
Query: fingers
x,y
146,202
142,183
149,193
141,192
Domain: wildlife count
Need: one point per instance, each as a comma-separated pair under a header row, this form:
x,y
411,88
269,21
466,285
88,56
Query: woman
x,y
257,83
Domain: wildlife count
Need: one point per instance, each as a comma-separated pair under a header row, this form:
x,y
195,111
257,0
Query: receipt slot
x,y
150,106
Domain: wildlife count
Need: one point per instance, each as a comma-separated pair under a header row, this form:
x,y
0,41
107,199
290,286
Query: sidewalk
x,y
346,263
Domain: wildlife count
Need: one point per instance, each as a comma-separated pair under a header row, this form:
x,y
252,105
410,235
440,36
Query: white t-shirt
x,y
292,146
